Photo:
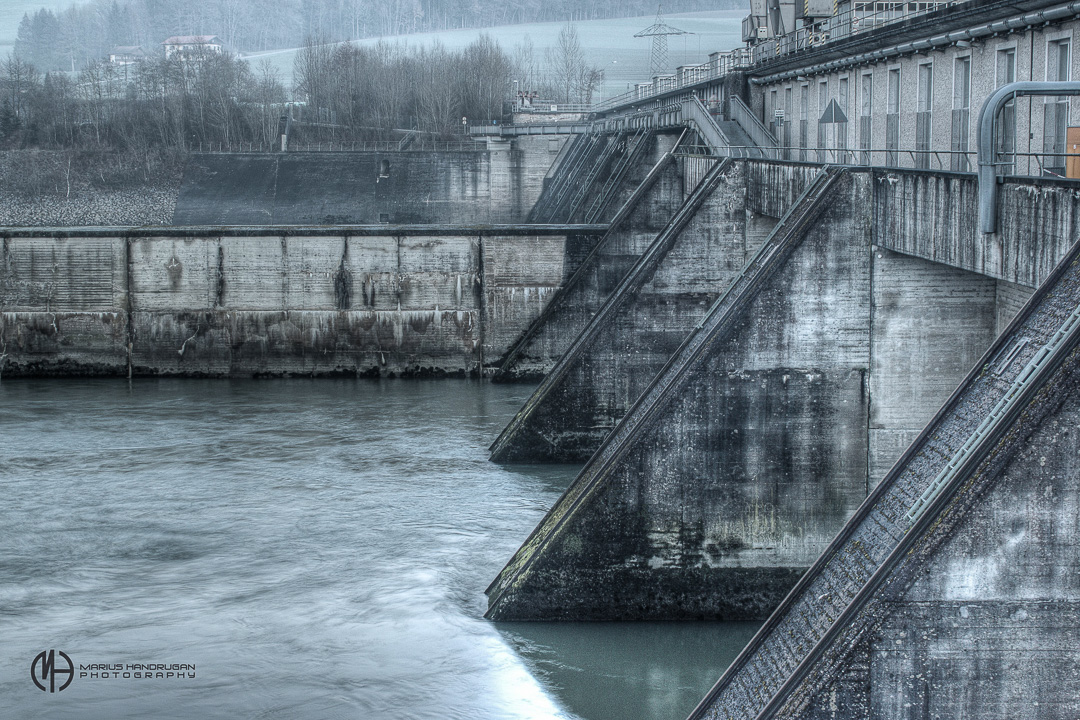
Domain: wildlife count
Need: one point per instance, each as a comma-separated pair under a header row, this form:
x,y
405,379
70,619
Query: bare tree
x,y
573,78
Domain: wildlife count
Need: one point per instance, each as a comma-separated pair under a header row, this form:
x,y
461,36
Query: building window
x,y
1056,109
866,115
892,121
923,115
841,128
771,114
804,121
823,102
787,123
1005,142
961,113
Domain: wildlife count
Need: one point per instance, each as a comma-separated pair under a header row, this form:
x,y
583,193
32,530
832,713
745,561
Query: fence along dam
x,y
824,380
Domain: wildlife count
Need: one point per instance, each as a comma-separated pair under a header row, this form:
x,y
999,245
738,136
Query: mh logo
x,y
43,669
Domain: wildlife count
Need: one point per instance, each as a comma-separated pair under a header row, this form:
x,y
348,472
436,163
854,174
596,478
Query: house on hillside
x,y
189,44
127,55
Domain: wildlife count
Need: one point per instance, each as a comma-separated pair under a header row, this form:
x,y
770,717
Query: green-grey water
x,y
316,548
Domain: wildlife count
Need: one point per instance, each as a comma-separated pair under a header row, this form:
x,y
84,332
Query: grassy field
x,y
608,44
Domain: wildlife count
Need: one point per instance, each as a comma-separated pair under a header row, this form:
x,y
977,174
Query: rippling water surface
x,y
316,548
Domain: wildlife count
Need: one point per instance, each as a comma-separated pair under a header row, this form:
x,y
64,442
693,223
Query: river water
x,y
315,548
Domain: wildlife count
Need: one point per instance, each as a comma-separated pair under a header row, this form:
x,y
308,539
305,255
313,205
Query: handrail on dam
x,y
985,138
380,230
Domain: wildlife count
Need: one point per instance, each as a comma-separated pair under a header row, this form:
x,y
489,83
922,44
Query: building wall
x,y
1031,64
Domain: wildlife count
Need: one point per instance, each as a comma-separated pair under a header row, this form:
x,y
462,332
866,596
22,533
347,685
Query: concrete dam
x,y
806,381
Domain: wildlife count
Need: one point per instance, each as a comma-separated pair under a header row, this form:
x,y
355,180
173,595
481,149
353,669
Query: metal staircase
x,y
556,187
643,269
578,177
584,268
695,113
635,145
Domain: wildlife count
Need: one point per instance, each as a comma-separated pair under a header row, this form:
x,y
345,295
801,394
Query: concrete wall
x,y
934,216
201,302
930,323
860,605
737,480
339,189
499,184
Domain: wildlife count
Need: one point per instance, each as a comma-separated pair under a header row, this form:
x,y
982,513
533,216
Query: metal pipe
x,y
984,138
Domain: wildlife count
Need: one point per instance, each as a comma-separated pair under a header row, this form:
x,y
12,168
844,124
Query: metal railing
x,y
862,17
695,112
1047,165
551,106
417,145
717,66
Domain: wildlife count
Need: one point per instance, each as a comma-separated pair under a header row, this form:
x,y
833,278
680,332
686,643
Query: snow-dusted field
x,y
608,44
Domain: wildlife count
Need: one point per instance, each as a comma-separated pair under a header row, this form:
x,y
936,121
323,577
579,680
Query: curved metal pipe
x,y
984,138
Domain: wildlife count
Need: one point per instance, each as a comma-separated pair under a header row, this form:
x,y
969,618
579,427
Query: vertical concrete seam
x,y
482,288
129,304
397,273
285,274
343,279
870,365
219,300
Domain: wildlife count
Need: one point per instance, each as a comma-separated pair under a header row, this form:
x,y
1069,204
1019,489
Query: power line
x,y
659,32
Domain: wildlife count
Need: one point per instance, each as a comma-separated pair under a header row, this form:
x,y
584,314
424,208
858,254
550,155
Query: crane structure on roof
x,y
659,32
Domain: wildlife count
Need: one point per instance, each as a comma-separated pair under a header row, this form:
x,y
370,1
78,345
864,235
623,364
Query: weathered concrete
x,y
657,193
934,216
250,301
953,591
929,323
678,277
753,455
746,442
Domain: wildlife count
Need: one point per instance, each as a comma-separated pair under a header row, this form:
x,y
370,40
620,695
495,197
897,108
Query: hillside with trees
x,y
85,32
